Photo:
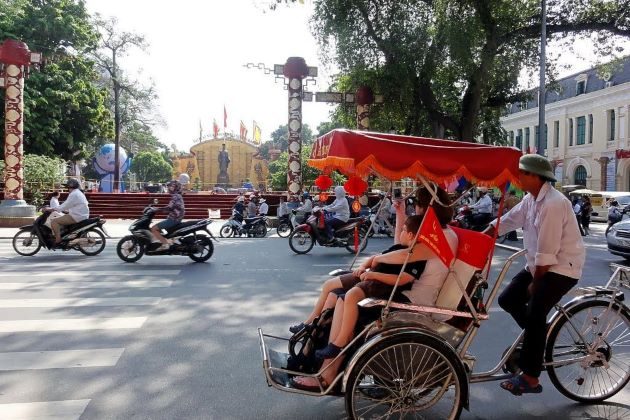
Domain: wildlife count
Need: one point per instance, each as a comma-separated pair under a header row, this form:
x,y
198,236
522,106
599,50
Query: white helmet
x,y
316,198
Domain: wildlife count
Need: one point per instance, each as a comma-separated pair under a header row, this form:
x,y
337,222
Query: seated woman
x,y
423,291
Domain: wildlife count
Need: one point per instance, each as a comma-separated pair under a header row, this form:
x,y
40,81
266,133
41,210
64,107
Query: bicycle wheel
x,y
407,376
599,367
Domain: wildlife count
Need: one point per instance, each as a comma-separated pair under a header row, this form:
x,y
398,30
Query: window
x,y
519,139
570,131
581,88
590,128
556,133
526,139
581,131
611,125
580,175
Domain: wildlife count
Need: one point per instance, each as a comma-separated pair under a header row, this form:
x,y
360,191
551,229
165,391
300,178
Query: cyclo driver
x,y
175,215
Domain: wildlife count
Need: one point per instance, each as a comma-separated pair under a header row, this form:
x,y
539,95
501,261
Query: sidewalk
x,y
116,228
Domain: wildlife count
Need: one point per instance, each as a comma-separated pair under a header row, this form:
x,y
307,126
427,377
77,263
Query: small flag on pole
x,y
224,117
432,235
215,128
243,131
257,134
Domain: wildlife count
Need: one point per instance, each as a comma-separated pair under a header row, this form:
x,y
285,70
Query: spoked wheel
x,y
26,243
205,249
415,376
301,242
226,231
599,367
260,231
362,243
283,229
92,242
268,225
129,249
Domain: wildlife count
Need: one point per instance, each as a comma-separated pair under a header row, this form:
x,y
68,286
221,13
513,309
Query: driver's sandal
x,y
328,352
519,386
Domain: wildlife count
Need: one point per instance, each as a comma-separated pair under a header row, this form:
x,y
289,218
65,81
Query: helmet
x,y
316,198
538,165
73,183
262,200
340,192
482,190
305,195
177,186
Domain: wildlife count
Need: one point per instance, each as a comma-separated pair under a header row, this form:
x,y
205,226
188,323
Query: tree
x,y
41,174
64,109
151,167
447,67
278,171
280,140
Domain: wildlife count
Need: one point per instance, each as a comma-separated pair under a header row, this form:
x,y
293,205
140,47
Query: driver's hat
x,y
538,165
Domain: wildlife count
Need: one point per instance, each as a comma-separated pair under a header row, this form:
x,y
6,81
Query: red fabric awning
x,y
358,153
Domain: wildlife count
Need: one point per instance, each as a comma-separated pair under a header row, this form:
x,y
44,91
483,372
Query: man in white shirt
x,y
555,257
76,207
263,208
483,207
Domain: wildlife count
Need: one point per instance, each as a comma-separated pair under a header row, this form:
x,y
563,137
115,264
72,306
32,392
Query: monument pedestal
x,y
16,213
223,180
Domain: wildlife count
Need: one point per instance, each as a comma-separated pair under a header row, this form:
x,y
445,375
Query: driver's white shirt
x,y
484,205
76,205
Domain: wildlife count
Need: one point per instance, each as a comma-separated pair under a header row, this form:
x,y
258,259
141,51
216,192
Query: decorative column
x,y
364,99
295,70
15,58
603,165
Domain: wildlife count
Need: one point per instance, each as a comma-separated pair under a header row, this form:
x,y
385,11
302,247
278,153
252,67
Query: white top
x,y
76,205
307,206
483,205
54,203
551,234
340,208
283,209
426,289
263,209
577,208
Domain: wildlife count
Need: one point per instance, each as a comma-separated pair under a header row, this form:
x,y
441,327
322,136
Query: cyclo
x,y
414,360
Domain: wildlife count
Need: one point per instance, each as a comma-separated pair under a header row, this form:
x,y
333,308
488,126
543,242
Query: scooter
x,y
253,226
189,238
382,227
288,223
464,219
349,236
87,237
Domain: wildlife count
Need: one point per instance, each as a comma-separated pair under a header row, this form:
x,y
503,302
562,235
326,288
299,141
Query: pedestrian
x,y
577,210
585,214
555,257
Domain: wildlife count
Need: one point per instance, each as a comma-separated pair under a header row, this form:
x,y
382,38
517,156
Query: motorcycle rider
x,y
340,210
263,208
76,207
252,207
176,212
382,222
307,206
483,207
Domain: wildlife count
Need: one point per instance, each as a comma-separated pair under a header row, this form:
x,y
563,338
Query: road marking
x,y
54,284
97,273
61,303
48,410
72,324
60,359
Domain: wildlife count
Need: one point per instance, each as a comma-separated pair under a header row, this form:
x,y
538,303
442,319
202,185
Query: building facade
x,y
586,126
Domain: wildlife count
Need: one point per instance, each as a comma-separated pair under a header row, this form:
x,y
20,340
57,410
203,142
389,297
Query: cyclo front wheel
x,y
407,376
596,367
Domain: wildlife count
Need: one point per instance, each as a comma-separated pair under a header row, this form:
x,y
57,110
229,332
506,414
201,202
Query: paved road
x,y
169,339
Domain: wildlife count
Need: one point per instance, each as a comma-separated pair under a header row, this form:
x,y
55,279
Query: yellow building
x,y
203,163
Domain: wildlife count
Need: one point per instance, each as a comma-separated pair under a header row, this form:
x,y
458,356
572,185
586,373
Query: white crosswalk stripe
x,y
61,295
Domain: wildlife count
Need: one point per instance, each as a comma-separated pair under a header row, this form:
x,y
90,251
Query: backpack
x,y
302,345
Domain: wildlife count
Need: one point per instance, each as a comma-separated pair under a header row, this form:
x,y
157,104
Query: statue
x,y
224,161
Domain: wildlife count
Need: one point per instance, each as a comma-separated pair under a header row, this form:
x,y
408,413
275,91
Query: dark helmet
x,y
177,186
73,183
306,195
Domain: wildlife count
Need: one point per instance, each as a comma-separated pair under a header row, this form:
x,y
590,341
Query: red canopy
x,y
359,153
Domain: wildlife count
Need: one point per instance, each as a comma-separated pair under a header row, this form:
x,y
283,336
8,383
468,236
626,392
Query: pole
x,y
542,93
295,70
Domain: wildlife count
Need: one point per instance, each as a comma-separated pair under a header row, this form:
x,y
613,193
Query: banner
x,y
224,118
243,134
432,235
215,128
257,134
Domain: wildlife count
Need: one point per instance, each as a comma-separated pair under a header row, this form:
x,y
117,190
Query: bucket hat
x,y
538,165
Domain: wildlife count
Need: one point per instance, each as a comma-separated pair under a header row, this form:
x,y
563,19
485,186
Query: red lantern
x,y
356,206
323,182
355,186
323,197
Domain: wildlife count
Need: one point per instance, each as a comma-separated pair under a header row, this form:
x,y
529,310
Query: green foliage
x,y
151,167
64,109
280,140
41,174
446,67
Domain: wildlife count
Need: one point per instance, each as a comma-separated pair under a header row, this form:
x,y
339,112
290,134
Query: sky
x,y
196,54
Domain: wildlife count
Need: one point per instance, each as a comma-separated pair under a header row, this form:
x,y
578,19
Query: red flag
x,y
243,131
224,117
432,235
215,128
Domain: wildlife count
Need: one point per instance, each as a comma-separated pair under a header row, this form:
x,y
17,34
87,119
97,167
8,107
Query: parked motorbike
x,y
616,217
87,237
464,219
288,223
190,239
304,236
253,226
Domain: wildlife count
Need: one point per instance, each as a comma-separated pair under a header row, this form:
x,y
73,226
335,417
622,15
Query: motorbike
x,y
189,238
382,228
304,236
288,223
464,219
87,237
253,227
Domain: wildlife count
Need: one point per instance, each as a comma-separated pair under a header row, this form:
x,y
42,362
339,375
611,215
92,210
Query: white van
x,y
599,201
